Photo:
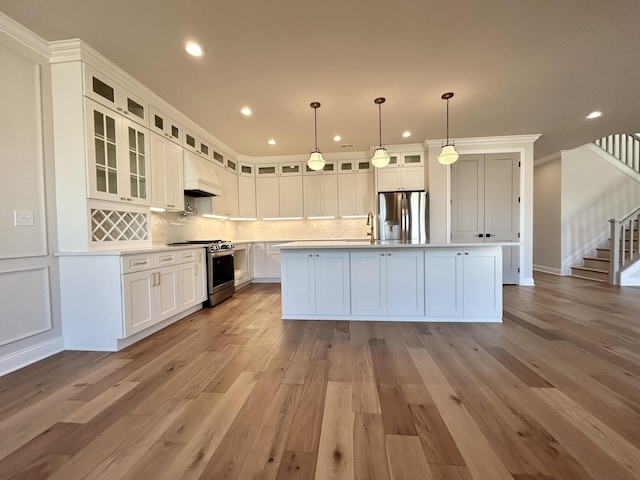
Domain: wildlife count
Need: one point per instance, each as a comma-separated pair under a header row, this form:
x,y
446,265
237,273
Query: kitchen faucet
x,y
370,222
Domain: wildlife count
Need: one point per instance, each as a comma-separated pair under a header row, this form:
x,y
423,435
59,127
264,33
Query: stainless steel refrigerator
x,y
403,216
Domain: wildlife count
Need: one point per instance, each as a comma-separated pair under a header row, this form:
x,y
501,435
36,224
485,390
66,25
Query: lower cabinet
x,y
317,282
110,301
266,262
438,283
387,283
149,297
463,283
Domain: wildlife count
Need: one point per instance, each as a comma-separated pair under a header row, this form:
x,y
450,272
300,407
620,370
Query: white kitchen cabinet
x,y
196,144
368,283
279,190
117,157
149,297
103,90
165,126
266,262
225,205
464,282
320,194
166,174
267,197
355,187
125,298
404,172
246,192
317,283
191,276
387,283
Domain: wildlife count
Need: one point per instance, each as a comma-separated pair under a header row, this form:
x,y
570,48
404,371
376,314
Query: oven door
x,y
220,271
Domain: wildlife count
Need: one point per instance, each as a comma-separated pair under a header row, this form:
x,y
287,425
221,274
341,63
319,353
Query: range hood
x,y
200,177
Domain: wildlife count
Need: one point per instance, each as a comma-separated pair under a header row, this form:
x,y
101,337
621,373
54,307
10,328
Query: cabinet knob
x,y
127,113
459,253
382,254
119,109
388,254
317,254
466,253
123,198
311,254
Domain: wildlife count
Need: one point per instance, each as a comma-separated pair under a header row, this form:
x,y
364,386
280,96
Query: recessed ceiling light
x,y
594,115
194,49
406,134
337,138
271,142
246,111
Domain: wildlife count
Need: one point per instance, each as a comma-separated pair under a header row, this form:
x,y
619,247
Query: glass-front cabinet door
x,y
103,142
117,158
137,146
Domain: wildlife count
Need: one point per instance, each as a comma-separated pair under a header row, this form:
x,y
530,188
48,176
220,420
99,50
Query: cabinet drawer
x,y
165,258
186,256
137,263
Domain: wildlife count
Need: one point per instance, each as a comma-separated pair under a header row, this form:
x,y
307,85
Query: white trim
x,y
611,160
23,35
548,158
387,318
500,140
527,282
14,361
545,269
575,259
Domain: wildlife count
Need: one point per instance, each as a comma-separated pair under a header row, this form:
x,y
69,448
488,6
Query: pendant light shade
x,y
448,155
380,157
315,162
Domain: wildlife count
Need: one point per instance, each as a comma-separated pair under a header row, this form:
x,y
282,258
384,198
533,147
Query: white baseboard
x,y
27,356
551,270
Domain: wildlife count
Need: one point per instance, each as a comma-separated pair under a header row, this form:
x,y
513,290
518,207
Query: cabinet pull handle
x,y
158,278
196,271
137,264
153,279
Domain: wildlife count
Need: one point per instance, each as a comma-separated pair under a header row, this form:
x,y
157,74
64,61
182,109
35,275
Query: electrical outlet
x,y
23,218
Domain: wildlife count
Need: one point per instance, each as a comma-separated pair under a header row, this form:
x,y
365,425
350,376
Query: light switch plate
x,y
23,218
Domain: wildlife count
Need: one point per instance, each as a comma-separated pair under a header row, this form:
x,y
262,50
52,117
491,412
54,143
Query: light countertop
x,y
366,244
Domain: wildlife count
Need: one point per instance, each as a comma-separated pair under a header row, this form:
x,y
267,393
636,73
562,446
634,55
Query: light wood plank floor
x,y
235,392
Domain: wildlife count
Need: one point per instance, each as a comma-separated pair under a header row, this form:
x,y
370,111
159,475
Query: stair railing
x,y
624,244
623,146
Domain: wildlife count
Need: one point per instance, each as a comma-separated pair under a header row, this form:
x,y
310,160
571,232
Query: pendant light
x,y
315,162
448,155
380,157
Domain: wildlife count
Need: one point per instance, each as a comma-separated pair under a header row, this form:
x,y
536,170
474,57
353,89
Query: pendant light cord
x,y
315,126
447,121
380,122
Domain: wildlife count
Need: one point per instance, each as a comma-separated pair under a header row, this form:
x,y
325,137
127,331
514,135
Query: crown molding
x,y
549,158
20,33
499,140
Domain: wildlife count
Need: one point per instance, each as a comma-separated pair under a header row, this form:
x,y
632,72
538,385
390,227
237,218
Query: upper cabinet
x,y
279,190
404,172
355,188
103,90
165,126
117,157
196,144
166,174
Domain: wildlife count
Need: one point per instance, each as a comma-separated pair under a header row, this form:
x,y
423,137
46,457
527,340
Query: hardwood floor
x,y
235,392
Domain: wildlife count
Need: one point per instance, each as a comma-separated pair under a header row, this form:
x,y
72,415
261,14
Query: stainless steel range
x,y
220,269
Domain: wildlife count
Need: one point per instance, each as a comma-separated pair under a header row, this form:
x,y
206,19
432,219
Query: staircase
x,y
598,267
608,262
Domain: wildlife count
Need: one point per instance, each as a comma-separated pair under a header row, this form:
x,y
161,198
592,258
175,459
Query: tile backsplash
x,y
172,227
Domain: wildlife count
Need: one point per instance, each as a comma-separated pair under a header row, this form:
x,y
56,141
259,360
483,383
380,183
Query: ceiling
x,y
516,66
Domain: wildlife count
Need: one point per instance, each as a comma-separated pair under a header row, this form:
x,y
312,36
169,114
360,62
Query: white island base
x,y
340,280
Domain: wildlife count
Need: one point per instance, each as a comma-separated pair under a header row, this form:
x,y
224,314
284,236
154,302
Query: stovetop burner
x,y
212,245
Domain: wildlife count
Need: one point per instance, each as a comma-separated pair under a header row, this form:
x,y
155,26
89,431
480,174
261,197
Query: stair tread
x,y
597,259
590,269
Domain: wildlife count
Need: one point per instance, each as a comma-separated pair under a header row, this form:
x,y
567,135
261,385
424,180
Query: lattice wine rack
x,y
113,226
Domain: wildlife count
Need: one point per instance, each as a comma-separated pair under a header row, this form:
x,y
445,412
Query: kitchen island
x,y
390,281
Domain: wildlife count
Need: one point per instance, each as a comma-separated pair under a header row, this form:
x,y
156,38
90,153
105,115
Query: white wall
x,y
30,327
593,191
547,215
